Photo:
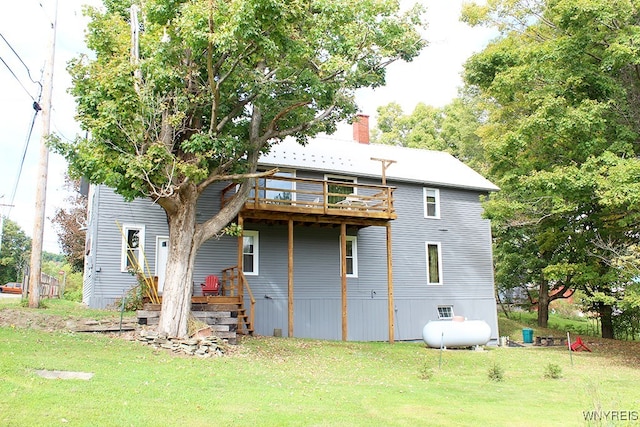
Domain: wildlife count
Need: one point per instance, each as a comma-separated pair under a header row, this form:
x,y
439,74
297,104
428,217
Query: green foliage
x,y
134,298
14,252
496,373
233,229
451,129
216,84
560,137
263,70
42,304
132,301
553,371
73,283
48,256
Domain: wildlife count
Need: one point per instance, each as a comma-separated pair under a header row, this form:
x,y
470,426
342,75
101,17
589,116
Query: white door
x,y
162,254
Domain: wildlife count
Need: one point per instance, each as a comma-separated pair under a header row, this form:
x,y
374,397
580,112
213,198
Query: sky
x,y
433,78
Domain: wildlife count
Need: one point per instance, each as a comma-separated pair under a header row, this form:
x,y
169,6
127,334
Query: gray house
x,y
349,240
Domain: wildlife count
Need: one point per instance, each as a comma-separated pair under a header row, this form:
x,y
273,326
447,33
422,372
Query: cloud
x,y
434,77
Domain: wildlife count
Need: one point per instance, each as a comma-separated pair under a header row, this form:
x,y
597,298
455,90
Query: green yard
x,y
279,381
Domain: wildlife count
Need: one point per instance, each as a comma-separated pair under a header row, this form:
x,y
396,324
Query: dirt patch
x,y
33,319
43,321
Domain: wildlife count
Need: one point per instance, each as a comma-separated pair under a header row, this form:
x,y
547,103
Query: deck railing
x,y
314,196
234,284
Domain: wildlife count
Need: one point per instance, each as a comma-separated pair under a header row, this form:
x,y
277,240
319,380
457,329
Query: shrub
x,y
553,371
496,373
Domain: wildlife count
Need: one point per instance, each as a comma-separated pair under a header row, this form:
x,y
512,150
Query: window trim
x,y
342,179
291,191
354,255
125,246
437,202
449,307
440,274
256,251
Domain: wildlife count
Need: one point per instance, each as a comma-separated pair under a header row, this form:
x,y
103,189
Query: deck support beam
x,y
290,279
240,252
391,306
343,277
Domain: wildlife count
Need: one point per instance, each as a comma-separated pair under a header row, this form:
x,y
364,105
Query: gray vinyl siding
x,y
108,282
467,268
105,283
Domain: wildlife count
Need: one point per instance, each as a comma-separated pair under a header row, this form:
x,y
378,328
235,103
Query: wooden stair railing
x,y
233,284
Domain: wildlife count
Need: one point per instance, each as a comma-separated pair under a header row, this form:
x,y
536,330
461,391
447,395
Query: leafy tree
x,y
451,128
70,224
217,83
561,86
417,130
50,256
14,252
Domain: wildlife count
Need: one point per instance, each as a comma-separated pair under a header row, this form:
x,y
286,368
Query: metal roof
x,y
348,157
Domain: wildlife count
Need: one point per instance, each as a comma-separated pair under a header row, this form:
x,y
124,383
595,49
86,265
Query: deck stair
x,y
225,314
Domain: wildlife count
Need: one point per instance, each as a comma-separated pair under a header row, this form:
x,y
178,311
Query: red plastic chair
x,y
578,345
211,285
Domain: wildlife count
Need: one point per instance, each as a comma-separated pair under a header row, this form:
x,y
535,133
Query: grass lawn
x,y
278,381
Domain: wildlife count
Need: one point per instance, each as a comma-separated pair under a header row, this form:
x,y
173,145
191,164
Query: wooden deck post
x,y
391,307
290,278
240,252
343,276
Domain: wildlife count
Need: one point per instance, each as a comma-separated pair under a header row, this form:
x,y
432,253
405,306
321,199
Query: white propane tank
x,y
456,333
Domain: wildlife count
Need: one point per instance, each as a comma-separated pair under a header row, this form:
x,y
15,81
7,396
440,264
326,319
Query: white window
x,y
431,203
434,263
445,312
278,191
352,256
250,252
132,254
339,185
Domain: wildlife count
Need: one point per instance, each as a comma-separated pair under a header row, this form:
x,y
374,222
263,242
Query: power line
x,y
37,109
17,79
24,156
25,66
19,58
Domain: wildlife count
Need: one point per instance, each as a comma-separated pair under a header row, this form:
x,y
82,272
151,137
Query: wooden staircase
x,y
217,311
225,314
235,284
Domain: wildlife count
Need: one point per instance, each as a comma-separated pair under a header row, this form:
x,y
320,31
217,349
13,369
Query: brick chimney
x,y
361,129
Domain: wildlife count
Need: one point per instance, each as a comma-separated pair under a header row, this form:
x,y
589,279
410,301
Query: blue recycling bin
x,y
527,336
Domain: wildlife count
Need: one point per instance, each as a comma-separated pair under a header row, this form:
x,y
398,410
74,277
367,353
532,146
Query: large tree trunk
x,y
543,304
178,286
606,313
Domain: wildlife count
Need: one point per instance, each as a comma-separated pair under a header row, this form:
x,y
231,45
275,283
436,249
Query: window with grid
x,y
352,256
445,312
431,203
132,248
250,252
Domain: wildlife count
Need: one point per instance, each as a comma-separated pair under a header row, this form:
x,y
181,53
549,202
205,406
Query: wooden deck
x,y
309,201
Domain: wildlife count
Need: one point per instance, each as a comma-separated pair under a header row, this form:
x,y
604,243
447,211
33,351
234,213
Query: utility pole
x,y
135,45
43,167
